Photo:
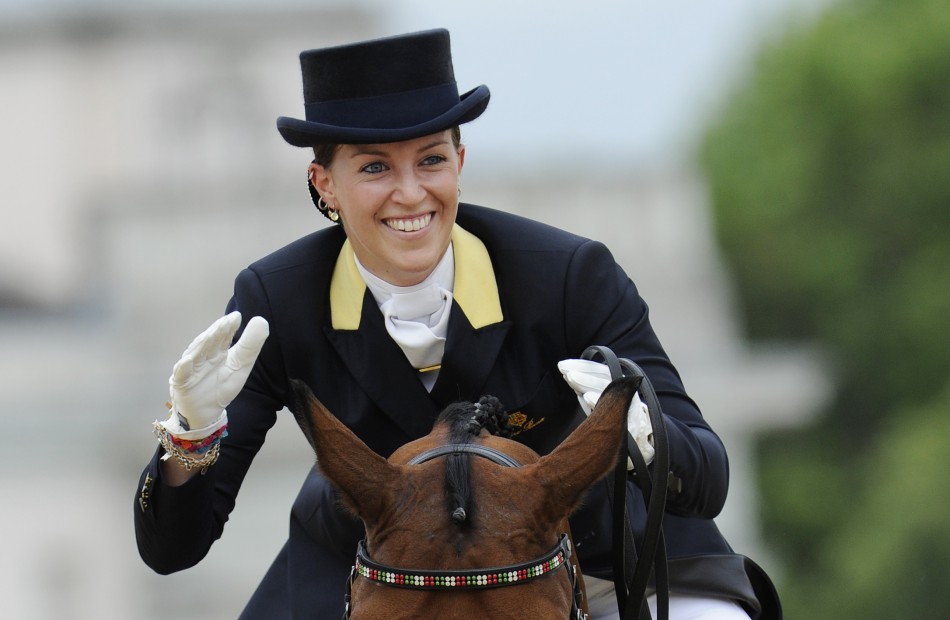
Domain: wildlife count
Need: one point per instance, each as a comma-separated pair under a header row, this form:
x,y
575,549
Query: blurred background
x,y
772,173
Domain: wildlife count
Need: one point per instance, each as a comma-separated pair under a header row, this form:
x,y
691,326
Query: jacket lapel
x,y
469,356
381,369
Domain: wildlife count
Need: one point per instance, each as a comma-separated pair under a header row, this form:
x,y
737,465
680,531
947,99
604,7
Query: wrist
x,y
196,449
199,454
173,424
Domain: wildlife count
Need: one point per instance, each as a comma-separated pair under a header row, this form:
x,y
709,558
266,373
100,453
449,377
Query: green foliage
x,y
901,539
891,557
831,184
830,176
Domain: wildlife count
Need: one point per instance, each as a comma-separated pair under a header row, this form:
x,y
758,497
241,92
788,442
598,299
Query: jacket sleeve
x,y
603,307
176,526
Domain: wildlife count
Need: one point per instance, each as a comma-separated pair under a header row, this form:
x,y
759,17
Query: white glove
x,y
210,375
588,380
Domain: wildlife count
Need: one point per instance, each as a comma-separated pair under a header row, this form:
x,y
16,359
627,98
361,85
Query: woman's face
x,y
397,202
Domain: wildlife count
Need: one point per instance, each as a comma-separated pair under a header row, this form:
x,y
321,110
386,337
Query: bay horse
x,y
455,518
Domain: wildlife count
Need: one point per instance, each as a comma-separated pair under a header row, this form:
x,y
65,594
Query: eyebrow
x,y
379,153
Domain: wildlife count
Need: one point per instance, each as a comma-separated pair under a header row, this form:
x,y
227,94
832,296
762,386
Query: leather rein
x,y
634,564
495,577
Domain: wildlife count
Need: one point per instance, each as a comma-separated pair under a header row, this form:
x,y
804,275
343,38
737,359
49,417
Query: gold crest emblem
x,y
522,423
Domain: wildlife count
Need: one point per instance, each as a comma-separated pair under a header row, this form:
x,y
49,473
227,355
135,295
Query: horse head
x,y
458,513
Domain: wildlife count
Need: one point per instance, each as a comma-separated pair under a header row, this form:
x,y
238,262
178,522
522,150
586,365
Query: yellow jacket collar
x,y
475,290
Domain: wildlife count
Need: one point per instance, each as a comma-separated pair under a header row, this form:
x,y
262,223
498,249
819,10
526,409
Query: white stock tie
x,y
418,321
417,317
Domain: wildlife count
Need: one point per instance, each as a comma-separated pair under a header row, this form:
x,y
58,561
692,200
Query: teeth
x,y
417,223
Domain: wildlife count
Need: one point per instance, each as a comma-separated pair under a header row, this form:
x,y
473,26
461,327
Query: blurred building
x,y
140,170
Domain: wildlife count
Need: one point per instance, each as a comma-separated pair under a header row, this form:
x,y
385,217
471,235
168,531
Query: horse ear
x,y
589,453
363,478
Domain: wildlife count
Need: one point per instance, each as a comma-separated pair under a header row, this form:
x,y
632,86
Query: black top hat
x,y
384,90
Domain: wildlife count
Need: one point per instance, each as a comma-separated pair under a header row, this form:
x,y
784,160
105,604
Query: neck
x,y
442,276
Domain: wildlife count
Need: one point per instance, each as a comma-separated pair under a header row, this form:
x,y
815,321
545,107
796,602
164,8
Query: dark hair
x,y
323,153
465,421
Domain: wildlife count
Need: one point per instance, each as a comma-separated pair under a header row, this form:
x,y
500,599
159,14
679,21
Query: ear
x,y
589,453
364,479
321,179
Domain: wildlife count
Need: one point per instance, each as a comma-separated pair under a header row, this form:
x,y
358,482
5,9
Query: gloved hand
x,y
210,375
588,380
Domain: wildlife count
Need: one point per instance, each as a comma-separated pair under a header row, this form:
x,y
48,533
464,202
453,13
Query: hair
x,y
323,154
466,420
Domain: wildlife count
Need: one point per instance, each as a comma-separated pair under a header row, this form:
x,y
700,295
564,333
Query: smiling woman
x,y
397,201
411,303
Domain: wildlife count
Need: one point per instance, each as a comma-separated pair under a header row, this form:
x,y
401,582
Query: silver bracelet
x,y
183,456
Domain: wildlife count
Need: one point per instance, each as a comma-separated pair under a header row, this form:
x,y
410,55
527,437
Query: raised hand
x,y
211,373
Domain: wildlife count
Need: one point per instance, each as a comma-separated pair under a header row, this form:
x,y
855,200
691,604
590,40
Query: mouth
x,y
410,224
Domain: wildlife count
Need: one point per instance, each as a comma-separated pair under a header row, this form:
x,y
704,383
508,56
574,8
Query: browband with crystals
x,y
455,579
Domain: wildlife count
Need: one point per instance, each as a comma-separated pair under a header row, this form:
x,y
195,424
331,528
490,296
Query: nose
x,y
409,189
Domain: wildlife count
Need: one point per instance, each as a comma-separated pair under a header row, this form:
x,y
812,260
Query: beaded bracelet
x,y
183,450
199,446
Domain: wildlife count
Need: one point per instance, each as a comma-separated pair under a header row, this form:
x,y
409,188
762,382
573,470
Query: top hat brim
x,y
308,133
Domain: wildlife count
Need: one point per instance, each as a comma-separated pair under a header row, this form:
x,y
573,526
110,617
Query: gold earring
x,y
324,207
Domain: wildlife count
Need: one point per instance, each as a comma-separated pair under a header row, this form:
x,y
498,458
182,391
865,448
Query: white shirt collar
x,y
443,276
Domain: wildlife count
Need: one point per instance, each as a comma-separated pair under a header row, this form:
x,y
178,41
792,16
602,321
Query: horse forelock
x,y
457,422
463,422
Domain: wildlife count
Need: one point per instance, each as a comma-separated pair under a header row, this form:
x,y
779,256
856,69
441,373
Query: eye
x,y
373,168
433,160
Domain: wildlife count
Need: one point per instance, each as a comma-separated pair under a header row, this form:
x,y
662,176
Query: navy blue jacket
x,y
559,293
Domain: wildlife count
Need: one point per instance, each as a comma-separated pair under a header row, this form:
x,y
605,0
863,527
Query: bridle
x,y
470,579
